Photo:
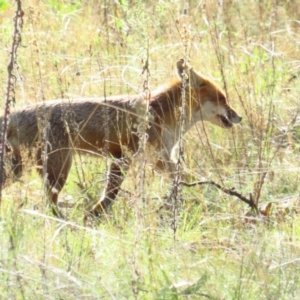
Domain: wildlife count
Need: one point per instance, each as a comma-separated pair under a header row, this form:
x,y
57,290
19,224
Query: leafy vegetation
x,y
220,249
3,5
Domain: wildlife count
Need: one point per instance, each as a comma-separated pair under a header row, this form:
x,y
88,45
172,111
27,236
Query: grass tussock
x,y
207,246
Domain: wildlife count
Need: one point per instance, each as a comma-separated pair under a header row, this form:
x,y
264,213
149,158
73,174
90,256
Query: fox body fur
x,y
110,126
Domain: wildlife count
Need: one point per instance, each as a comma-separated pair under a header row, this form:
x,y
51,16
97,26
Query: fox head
x,y
208,100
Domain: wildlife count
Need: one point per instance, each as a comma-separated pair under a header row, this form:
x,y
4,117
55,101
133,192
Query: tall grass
x,y
219,249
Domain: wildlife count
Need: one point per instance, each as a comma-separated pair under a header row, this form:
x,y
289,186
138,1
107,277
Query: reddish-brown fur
x,y
109,126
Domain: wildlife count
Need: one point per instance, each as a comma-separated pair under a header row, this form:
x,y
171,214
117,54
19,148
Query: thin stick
x,y
10,92
230,192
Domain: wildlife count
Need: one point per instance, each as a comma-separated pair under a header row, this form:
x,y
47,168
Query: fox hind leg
x,y
57,169
16,159
16,165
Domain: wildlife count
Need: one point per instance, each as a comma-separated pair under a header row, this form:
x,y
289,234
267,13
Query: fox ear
x,y
185,71
182,67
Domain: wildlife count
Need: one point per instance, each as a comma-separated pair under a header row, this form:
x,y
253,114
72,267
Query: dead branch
x,y
230,192
10,91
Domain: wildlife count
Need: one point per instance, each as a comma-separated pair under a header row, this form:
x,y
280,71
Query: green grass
x,y
218,251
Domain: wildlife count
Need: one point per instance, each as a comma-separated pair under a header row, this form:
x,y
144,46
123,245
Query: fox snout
x,y
229,118
234,117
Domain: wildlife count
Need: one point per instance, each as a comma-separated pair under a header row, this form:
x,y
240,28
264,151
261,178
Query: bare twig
x,y
10,88
176,191
230,192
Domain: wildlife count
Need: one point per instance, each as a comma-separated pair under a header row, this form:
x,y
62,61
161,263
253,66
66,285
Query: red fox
x,y
109,126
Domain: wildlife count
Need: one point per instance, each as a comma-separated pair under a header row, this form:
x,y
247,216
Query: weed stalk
x,y
10,87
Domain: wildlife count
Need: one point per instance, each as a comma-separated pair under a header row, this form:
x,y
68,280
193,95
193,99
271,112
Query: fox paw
x,y
92,216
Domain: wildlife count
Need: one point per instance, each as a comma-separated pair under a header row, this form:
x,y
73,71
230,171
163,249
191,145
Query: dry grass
x,y
218,252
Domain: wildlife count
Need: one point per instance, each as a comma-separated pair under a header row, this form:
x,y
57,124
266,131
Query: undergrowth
x,y
220,249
